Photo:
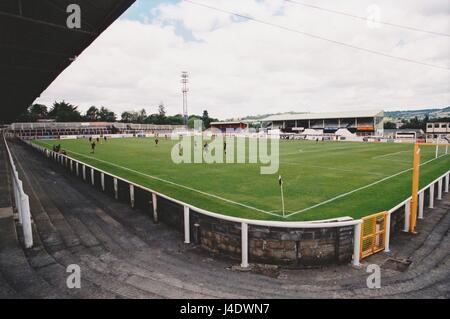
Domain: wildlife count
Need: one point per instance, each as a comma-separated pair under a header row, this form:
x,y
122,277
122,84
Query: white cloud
x,y
241,67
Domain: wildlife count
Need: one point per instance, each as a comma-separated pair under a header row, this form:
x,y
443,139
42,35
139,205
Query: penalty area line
x,y
389,154
176,184
359,189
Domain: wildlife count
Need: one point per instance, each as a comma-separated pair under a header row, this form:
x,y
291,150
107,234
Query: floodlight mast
x,y
185,89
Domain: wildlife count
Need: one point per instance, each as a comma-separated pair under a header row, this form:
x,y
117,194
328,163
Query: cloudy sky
x,y
239,67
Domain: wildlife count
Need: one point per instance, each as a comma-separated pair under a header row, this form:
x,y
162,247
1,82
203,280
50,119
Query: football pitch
x,y
321,180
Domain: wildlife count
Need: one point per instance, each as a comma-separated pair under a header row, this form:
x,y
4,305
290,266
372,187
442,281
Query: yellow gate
x,y
373,234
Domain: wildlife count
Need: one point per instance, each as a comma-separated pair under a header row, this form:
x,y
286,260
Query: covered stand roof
x,y
229,123
36,45
320,116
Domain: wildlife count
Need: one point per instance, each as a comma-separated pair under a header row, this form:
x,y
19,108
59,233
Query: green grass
x,y
312,173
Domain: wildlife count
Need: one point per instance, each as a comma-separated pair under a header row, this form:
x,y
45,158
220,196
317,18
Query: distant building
x,y
361,123
438,131
229,125
404,134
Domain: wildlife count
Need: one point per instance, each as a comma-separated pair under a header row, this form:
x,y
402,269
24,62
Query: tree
x,y
38,112
207,120
191,121
64,112
106,115
426,119
389,126
162,110
92,114
142,116
126,117
175,119
33,113
415,123
155,118
152,119
162,119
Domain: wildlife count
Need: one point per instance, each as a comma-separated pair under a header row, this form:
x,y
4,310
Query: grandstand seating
x,y
58,129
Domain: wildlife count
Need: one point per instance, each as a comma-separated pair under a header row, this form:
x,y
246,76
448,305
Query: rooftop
x,y
326,115
229,122
404,130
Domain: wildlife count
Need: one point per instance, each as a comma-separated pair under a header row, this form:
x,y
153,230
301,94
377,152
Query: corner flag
x,y
280,182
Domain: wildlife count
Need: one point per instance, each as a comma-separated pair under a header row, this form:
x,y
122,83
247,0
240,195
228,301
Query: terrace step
x,y
16,270
17,277
6,291
110,243
122,253
113,236
65,252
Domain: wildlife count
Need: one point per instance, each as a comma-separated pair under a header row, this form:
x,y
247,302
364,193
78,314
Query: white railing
x,y
443,186
21,201
329,223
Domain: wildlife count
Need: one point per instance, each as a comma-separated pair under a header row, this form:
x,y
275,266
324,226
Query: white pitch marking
x,y
381,156
176,184
331,168
320,149
358,189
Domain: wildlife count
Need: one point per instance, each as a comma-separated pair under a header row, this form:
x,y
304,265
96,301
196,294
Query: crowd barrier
x,y
21,200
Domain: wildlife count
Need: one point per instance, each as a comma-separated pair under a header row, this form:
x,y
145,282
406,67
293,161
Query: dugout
x,y
235,126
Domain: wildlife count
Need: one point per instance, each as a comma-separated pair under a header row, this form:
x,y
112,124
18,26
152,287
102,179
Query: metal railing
x,y
21,200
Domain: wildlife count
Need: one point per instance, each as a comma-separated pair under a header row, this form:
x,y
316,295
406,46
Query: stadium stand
x,y
54,130
128,128
361,123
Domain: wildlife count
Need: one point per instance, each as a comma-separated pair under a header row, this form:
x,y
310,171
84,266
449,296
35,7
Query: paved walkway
x,y
122,254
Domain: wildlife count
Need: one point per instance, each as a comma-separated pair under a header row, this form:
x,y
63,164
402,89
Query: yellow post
x,y
415,189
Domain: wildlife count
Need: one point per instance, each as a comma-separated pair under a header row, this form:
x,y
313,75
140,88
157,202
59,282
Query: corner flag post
x,y
415,189
437,147
280,181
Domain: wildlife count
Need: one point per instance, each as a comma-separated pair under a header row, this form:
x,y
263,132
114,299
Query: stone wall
x,y
273,245
316,246
397,221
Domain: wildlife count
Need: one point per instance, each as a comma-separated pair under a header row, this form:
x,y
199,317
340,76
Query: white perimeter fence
x,y
80,168
21,201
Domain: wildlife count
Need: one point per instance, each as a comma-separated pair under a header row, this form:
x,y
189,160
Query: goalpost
x,y
441,147
437,147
